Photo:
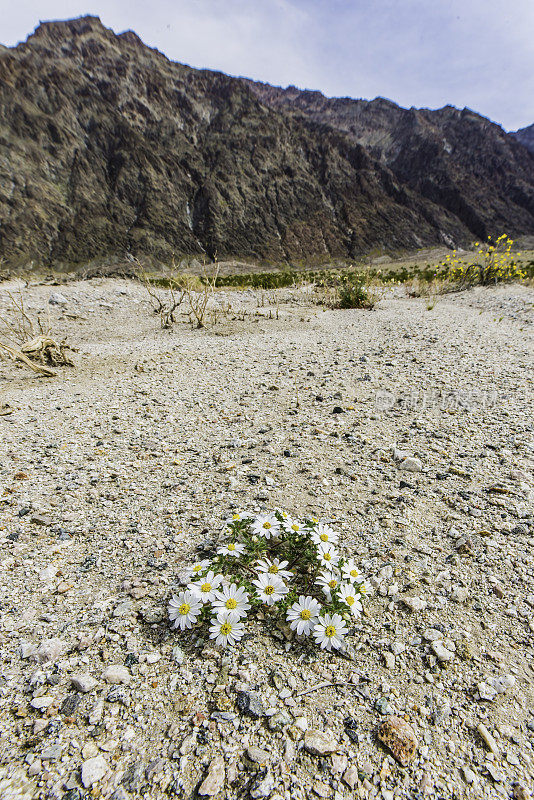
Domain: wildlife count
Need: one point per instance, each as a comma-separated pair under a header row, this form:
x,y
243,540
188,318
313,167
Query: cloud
x,y
416,52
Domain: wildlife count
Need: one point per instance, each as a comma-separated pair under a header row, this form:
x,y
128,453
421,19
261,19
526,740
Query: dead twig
x,y
327,684
17,355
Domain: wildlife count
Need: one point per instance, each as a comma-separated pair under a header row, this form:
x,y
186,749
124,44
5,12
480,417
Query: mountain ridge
x,y
108,147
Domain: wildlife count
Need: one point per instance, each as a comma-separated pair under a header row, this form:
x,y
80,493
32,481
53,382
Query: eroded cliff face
x,y
526,137
107,147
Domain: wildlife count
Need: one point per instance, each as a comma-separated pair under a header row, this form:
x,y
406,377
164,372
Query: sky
x,y
424,53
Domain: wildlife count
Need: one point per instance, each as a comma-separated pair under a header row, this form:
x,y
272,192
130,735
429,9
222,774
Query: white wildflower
x,y
231,600
350,571
329,631
205,587
231,549
328,555
184,609
196,570
226,631
303,615
266,525
349,594
322,534
274,567
329,582
270,588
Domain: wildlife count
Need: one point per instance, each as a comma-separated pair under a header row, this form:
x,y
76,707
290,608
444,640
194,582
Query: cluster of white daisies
x,y
259,577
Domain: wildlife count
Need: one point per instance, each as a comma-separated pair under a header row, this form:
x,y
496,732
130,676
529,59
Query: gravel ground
x,y
117,473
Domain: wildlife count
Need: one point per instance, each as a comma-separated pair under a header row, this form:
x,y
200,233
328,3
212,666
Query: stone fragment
x,y
398,735
441,652
459,594
93,770
257,756
214,780
83,683
350,776
488,739
57,299
50,650
319,743
116,673
414,603
411,464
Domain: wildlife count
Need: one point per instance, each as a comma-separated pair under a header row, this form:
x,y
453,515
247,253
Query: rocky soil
x,y
409,429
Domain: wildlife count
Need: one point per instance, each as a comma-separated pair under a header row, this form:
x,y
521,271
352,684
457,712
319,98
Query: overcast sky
x,y
475,53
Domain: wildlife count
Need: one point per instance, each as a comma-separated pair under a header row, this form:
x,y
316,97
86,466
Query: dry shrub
x,y
30,339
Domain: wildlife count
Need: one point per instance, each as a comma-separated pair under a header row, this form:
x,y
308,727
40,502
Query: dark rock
x,y
250,703
70,704
351,729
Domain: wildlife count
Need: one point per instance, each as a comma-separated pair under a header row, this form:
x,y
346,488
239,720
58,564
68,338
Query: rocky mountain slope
x,y
107,147
526,137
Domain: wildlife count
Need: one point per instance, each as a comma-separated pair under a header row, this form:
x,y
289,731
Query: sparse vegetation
x,y
30,340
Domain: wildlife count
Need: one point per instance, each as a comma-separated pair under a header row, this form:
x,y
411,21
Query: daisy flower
x,y
364,588
351,572
293,526
205,587
349,594
322,534
266,525
328,582
231,549
226,631
330,631
303,615
184,609
328,555
232,601
274,567
196,570
270,588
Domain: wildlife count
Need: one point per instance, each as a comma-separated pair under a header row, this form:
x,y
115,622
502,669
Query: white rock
x,y
42,702
83,683
214,780
116,673
459,594
93,770
411,464
320,743
441,652
57,299
415,603
95,715
50,650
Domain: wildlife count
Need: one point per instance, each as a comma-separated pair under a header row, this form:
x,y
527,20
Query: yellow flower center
x,y
330,631
349,600
305,613
269,589
323,537
354,573
184,609
295,527
231,546
231,603
206,587
273,569
226,628
327,556
197,568
267,525
235,517
362,589
332,584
